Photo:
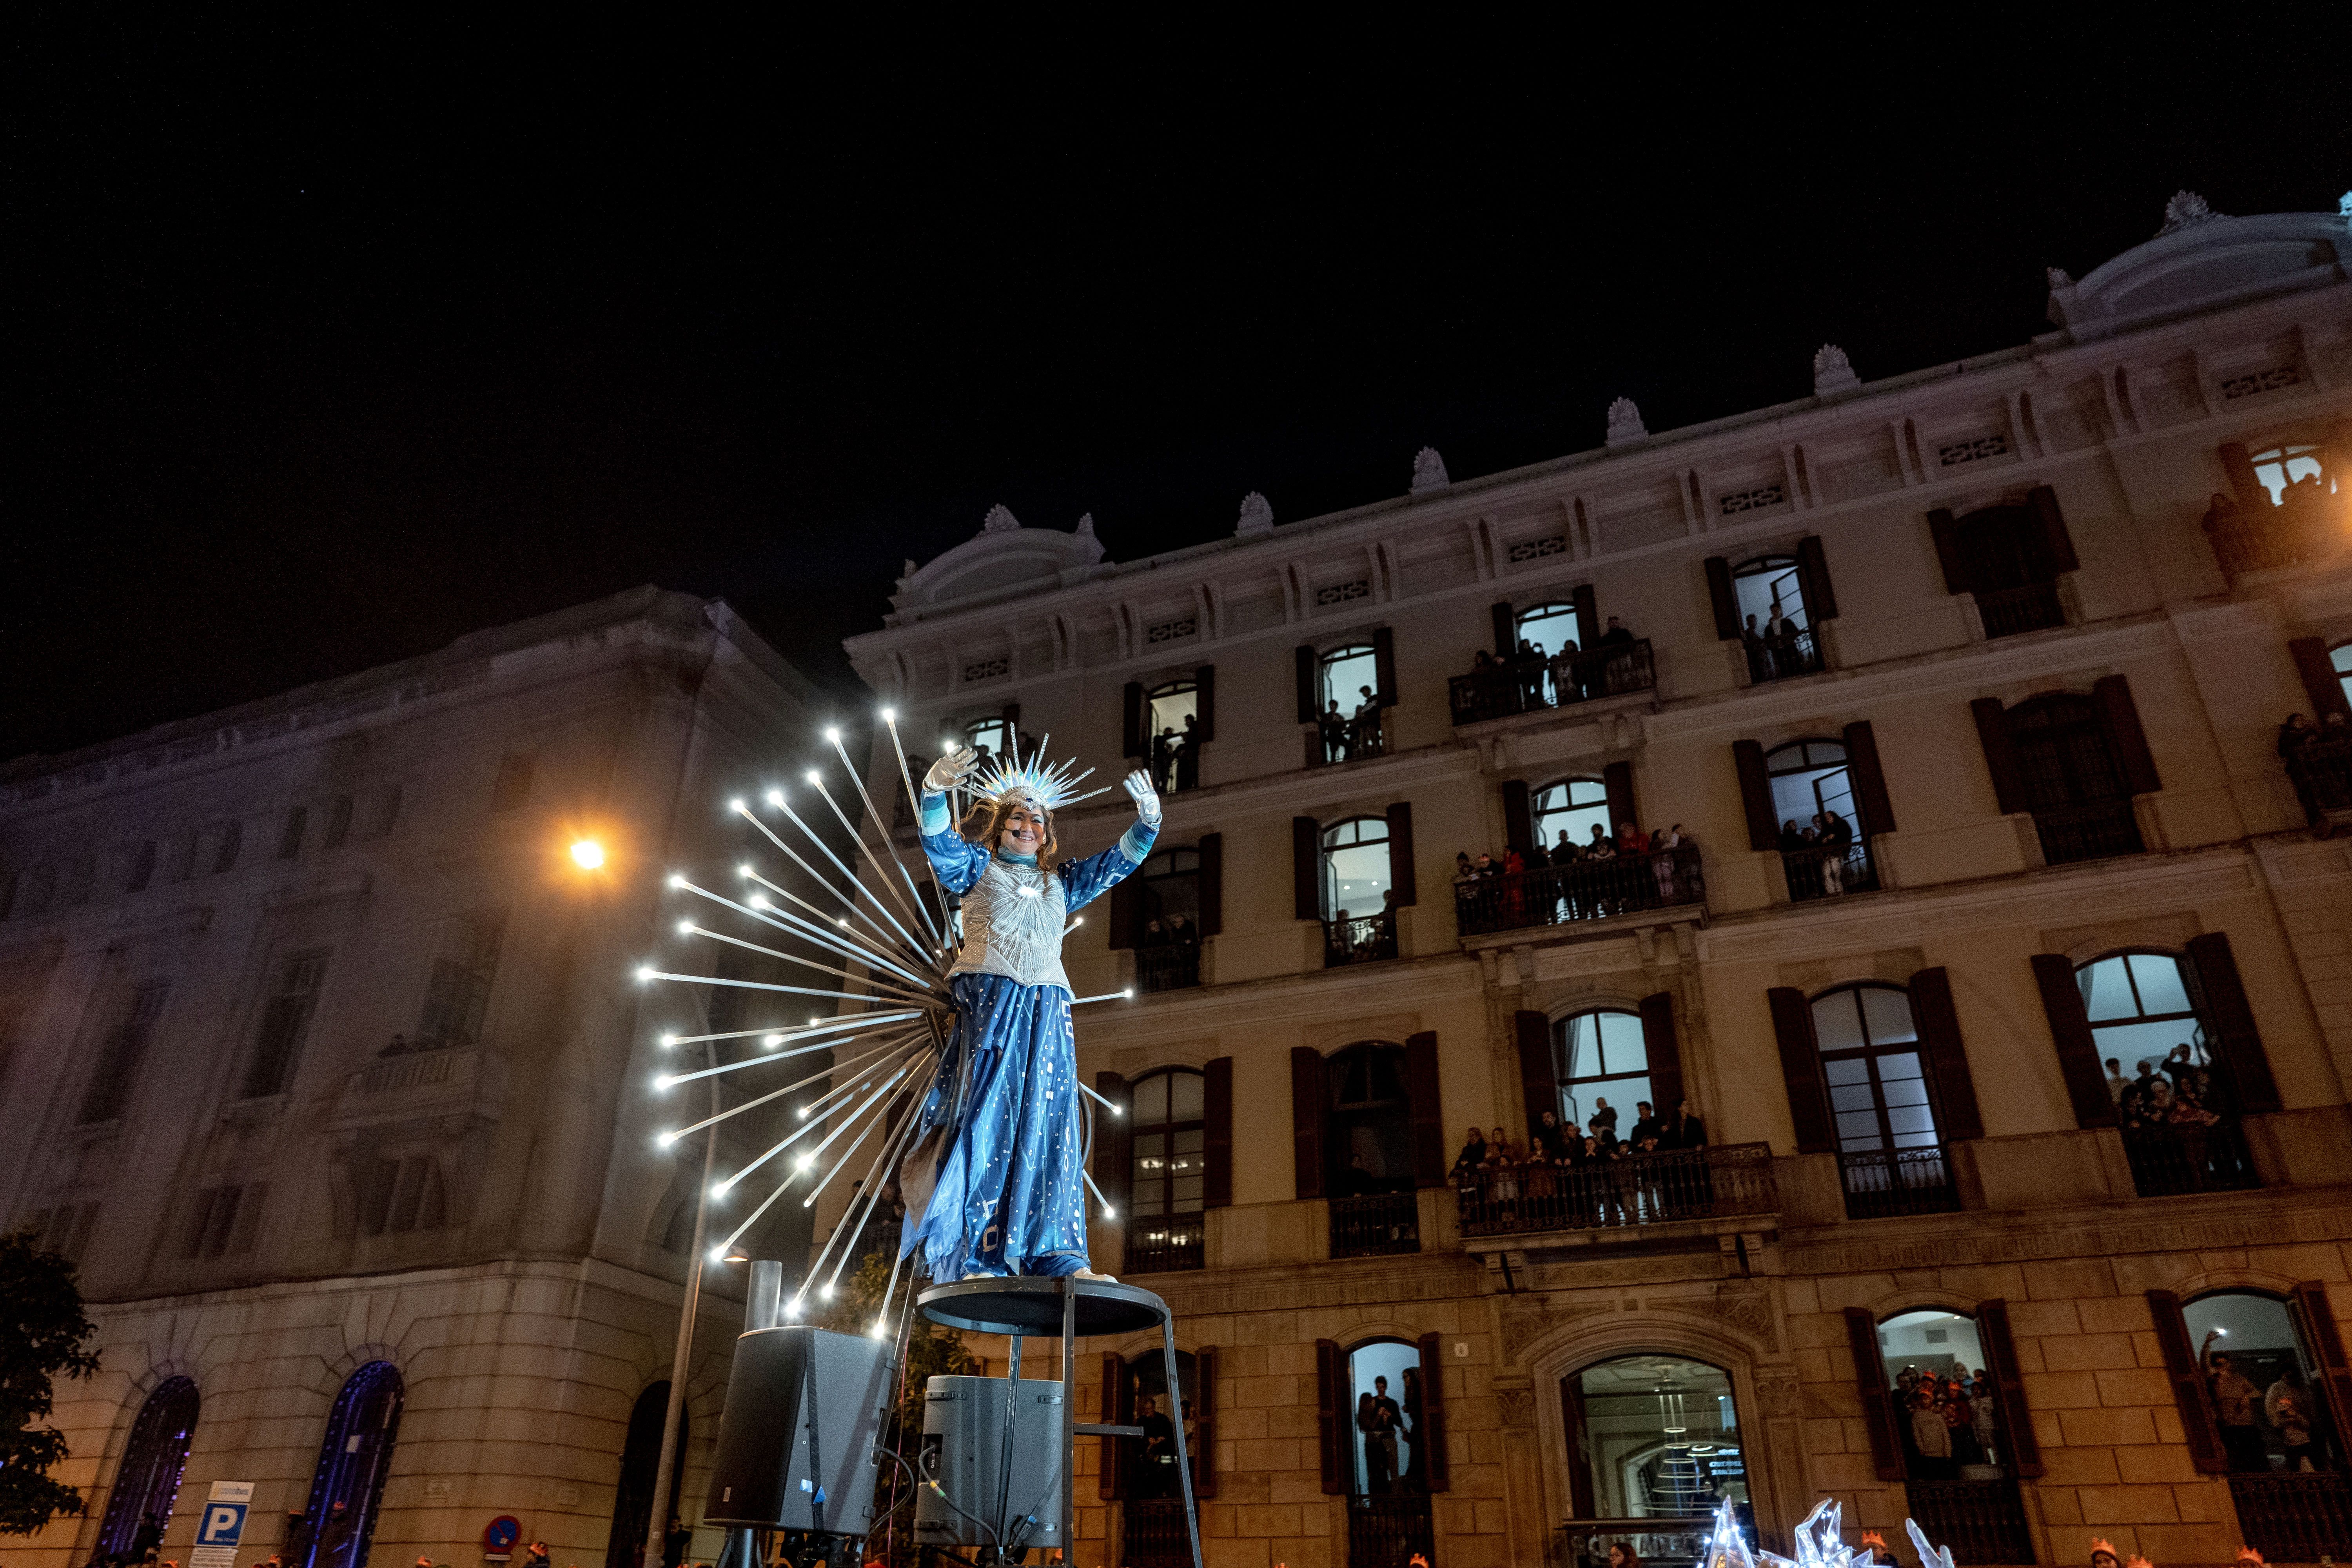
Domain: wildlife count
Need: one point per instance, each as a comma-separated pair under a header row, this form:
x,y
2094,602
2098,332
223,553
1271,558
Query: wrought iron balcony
x,y
1378,1224
2296,1517
2308,524
1363,938
2184,1157
1173,967
2091,830
1981,1521
1532,686
1827,873
1881,1182
1640,1189
1163,1243
2035,607
1579,891
2321,772
1389,1532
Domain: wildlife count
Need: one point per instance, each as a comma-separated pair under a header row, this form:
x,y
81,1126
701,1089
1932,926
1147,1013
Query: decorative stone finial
x,y
2344,206
2059,278
2185,209
1625,423
1000,519
1833,372
1256,519
1429,471
1085,529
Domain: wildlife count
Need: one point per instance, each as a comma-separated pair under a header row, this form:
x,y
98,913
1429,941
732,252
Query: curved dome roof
x,y
2201,259
1001,557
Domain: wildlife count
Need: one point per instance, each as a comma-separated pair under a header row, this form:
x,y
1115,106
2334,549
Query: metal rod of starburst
x,y
1106,996
912,907
732,1182
777,799
810,932
789,1033
649,972
875,812
915,805
760,1061
906,1049
687,928
807,1160
912,951
853,1065
858,1211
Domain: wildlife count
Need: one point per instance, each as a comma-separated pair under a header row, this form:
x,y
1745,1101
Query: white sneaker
x,y
1098,1278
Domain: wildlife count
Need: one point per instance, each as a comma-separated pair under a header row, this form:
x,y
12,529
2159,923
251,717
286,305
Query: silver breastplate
x,y
1013,922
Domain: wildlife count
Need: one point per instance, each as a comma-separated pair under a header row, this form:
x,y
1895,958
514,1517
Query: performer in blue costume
x,y
1003,1140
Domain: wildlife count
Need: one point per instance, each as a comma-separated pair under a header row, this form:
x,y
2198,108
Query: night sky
x,y
329,345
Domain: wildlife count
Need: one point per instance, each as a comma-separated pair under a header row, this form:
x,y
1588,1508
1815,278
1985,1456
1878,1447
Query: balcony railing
x,y
1881,1184
1828,873
2093,830
1798,654
2303,527
1363,938
2321,772
1169,967
1981,1521
1153,1533
1163,1244
1379,1224
2183,1157
1579,891
2035,607
1347,739
1533,685
1585,1543
1386,1531
2295,1517
1640,1189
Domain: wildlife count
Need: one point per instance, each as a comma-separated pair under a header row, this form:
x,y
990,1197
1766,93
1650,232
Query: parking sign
x,y
222,1525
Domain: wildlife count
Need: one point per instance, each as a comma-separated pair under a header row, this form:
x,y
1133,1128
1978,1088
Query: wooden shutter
x,y
1813,577
1114,1143
1108,1478
2223,1000
1588,616
1310,702
1800,1070
1579,1447
1204,1423
1429,1436
1137,745
1876,806
1217,1134
2320,681
2308,1304
2056,542
1538,1079
1400,868
1665,1049
1722,598
1946,1058
1429,1161
2197,1425
1518,817
2009,1388
2239,466
1306,867
1506,630
1877,1401
2000,754
1384,680
1617,780
2119,716
2070,1032
1211,885
1756,794
1950,553
1204,703
1306,1121
1127,915
1332,1418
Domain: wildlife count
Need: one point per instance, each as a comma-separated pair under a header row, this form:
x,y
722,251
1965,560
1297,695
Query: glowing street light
x,y
587,854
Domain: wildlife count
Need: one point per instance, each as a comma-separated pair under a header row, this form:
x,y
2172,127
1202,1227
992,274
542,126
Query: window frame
x,y
1138,1128
286,965
1537,814
1563,1061
1327,878
1890,1142
1772,561
1575,1442
1549,610
1844,764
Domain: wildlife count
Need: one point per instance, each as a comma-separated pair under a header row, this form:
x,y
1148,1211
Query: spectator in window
x,y
1564,672
1333,726
1154,934
1631,840
1604,1115
1180,931
1564,850
1616,636
1684,1128
1163,758
1930,1436
1464,873
2178,1067
1599,849
2116,1081
1472,1155
1391,1419
1646,1126
2135,1093
2288,1405
1157,1459
1188,755
1364,729
2294,734
1780,636
1759,658
2234,1407
1551,1138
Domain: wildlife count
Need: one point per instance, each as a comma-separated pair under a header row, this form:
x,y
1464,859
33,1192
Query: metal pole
x,y
658,1527
1184,1459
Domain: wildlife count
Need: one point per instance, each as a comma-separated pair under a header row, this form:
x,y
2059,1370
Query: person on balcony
x,y
2235,1400
1332,725
2287,1404
1364,729
1564,688
1472,1155
1759,657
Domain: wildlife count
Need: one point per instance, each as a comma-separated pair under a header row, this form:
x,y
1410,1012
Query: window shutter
x,y
1539,1077
1212,885
1721,595
2120,717
1756,794
1587,615
2308,1303
1518,817
1580,1447
1877,1402
1401,872
1126,910
1384,680
1813,577
1948,1079
1869,778
1137,743
2058,543
2008,1387
1617,780
1309,684
1306,1121
1204,1423
1429,1161
2224,1002
1429,1436
2000,754
1665,1049
2197,1425
2320,681
1217,1134
1331,1418
1114,1414
1307,869
1114,1145
2069,1031
1204,702
1506,630
1800,1070
1950,553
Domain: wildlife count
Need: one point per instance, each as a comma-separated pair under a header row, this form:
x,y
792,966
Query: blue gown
x,y
1009,1192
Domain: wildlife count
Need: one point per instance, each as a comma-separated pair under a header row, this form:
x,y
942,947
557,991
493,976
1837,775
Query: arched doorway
x,y
147,1482
1655,1438
633,1499
353,1460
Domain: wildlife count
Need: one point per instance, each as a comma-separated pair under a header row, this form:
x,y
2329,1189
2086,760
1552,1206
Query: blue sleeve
x,y
1084,881
957,863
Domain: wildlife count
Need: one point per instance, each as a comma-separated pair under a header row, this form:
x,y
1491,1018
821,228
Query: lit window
x,y
1605,1064
1354,868
1651,1437
1548,628
1871,1060
2284,465
1571,806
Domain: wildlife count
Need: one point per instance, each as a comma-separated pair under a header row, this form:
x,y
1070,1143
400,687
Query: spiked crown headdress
x,y
1049,786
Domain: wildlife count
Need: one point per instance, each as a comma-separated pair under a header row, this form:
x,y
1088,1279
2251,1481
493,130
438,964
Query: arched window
x,y
2173,1101
1872,1061
353,1460
1824,842
1349,711
1167,1148
1574,807
2265,1387
633,1499
1550,626
1167,920
1369,1130
1386,1461
1944,1400
2282,469
1775,624
989,736
2340,656
1653,1437
1354,868
1605,1071
2010,558
1146,1465
147,1482
1171,719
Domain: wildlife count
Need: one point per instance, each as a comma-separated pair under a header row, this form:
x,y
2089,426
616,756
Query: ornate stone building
x,y
318,1056
1939,718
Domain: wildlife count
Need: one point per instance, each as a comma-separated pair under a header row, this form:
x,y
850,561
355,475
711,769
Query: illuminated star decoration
x,y
1818,1544
887,944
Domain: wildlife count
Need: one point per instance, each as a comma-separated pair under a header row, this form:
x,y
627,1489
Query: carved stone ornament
x,y
1258,517
1833,372
1526,1326
1748,1308
1777,1390
1625,423
2059,276
1429,471
2186,209
1086,528
1000,519
1515,1408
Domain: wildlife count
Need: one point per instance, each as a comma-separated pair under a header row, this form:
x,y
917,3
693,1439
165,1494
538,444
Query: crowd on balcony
x,y
1778,648
1592,1170
2318,760
1572,882
1528,677
2173,1119
1175,756
1346,736
1947,1419
1818,855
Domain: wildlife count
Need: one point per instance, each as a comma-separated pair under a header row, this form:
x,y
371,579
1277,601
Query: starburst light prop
x,y
1818,1544
879,946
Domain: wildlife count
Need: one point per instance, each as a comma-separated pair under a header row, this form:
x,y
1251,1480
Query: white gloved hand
x,y
951,770
1147,799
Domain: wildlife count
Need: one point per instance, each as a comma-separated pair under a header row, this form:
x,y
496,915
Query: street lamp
x,y
587,854
658,1525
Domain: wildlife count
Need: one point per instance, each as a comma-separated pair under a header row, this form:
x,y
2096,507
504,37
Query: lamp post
x,y
657,1526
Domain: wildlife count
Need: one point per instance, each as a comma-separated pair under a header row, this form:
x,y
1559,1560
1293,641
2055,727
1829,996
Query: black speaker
x,y
965,1423
802,1406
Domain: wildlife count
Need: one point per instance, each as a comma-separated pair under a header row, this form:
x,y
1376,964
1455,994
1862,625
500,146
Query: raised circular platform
x,y
1034,1307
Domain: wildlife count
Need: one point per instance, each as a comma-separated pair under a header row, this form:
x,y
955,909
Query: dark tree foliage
x,y
42,1332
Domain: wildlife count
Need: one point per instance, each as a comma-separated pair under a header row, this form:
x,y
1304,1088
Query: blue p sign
x,y
222,1523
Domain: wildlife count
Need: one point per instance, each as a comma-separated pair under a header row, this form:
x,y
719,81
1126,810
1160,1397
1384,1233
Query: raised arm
x,y
956,864
1084,881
